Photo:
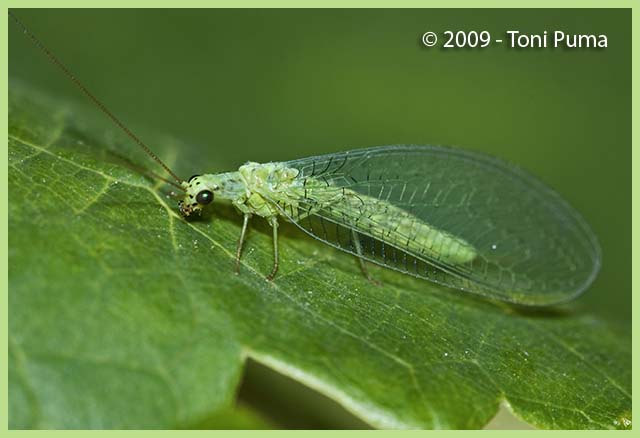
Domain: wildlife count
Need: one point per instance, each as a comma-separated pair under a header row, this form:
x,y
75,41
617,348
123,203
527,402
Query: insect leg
x,y
363,266
245,223
274,224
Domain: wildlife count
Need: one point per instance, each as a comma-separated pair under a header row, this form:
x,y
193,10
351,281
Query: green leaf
x,y
238,417
123,315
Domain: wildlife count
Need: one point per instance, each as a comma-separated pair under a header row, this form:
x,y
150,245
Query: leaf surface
x,y
123,315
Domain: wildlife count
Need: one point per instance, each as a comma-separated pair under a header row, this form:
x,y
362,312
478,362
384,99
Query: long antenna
x,y
94,99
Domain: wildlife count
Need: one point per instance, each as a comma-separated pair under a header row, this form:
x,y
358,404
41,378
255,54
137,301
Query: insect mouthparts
x,y
185,209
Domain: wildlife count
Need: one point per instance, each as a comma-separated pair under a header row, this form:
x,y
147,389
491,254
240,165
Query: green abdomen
x,y
397,227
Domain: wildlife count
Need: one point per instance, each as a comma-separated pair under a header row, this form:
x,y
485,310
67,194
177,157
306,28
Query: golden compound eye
x,y
204,197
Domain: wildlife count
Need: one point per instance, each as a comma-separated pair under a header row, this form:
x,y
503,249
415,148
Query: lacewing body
x,y
460,219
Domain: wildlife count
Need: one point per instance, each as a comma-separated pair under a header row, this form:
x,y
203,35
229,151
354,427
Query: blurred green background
x,y
271,85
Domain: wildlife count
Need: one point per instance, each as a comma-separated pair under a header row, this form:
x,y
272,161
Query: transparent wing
x,y
461,219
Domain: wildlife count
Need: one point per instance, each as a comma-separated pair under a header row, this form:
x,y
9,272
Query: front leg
x,y
245,223
273,221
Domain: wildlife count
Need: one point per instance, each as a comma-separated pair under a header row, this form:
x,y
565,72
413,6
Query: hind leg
x,y
361,260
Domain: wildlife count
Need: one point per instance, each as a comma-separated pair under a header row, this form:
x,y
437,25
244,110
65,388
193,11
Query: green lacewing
x,y
461,219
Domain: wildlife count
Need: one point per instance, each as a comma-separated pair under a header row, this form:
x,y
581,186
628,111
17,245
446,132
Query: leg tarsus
x,y
274,224
367,275
359,256
245,223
